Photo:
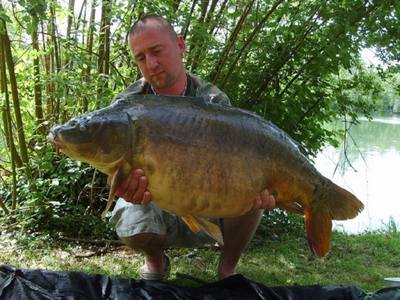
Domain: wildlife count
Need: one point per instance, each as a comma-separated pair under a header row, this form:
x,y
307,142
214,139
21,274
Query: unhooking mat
x,y
42,284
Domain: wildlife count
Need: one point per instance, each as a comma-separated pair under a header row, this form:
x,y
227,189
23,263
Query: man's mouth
x,y
155,75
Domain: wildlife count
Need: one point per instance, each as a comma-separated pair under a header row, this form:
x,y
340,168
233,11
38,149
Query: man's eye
x,y
139,58
157,51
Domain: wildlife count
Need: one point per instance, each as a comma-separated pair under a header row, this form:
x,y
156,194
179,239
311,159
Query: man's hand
x,y
134,189
264,200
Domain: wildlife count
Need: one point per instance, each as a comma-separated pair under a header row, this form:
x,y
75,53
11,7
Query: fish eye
x,y
120,101
82,126
73,122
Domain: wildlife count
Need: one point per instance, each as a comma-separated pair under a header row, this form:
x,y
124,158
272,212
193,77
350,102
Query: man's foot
x,y
225,270
147,273
223,275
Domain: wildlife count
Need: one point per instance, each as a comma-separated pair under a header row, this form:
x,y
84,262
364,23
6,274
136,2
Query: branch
x,y
321,51
218,17
249,40
231,41
4,207
186,28
290,54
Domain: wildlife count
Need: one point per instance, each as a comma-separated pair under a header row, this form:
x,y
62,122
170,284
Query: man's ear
x,y
181,44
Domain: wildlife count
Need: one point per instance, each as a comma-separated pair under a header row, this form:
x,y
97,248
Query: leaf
x,y
4,17
55,182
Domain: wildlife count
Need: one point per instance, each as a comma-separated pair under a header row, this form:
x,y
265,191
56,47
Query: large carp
x,y
205,160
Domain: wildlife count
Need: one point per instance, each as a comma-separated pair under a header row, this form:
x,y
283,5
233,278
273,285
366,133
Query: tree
x,y
296,63
6,51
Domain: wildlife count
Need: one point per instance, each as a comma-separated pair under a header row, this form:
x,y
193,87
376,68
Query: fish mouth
x,y
57,143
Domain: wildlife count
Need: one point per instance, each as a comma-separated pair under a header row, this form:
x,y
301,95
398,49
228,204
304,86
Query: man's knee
x,y
143,241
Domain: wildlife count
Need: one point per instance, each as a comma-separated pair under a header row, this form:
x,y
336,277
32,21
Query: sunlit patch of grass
x,y
362,260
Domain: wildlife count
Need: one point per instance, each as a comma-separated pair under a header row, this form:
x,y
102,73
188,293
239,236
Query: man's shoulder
x,y
209,92
136,88
202,88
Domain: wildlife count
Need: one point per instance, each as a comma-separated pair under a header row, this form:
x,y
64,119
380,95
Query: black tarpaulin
x,y
43,284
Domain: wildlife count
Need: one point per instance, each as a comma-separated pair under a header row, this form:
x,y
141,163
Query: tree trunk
x,y
6,112
104,49
231,42
211,11
187,25
198,42
89,48
175,4
205,19
55,59
71,6
49,83
81,16
15,159
37,81
5,41
4,207
53,34
218,17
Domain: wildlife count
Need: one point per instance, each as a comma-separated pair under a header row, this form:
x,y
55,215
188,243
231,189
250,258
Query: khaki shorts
x,y
131,219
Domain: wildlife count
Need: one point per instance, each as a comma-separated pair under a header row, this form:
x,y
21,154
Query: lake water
x,y
371,171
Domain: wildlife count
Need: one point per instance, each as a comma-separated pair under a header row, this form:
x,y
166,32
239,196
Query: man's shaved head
x,y
158,52
153,20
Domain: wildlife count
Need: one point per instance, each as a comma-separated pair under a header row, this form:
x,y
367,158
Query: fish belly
x,y
193,180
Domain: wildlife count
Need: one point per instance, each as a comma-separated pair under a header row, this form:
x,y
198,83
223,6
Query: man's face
x,y
158,55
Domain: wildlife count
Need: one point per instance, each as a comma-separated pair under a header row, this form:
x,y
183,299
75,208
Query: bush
x,y
278,223
65,198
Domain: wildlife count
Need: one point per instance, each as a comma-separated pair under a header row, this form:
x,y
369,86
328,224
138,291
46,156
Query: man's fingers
x,y
134,181
146,198
123,187
264,200
268,200
142,187
130,186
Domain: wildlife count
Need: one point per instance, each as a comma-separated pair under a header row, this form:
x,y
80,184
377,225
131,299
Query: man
x,y
158,52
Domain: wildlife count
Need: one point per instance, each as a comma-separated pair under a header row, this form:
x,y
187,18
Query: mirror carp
x,y
205,160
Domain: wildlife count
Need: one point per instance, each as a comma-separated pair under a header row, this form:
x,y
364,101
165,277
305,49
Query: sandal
x,y
145,274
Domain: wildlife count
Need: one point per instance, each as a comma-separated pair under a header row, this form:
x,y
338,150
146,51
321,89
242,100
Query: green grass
x,y
362,260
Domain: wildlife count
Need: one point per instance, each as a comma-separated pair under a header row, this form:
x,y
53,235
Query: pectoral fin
x,y
114,180
196,224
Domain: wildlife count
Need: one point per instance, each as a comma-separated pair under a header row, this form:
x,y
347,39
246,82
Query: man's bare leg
x,y
238,232
152,247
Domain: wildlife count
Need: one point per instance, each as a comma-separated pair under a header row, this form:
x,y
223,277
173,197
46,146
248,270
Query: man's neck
x,y
178,89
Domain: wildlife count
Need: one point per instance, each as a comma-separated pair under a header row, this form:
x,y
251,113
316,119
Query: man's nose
x,y
151,62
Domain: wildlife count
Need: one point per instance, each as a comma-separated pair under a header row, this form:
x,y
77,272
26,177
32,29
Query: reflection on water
x,y
372,172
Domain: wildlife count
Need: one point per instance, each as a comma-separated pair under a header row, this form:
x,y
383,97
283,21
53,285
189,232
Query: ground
x,y
362,260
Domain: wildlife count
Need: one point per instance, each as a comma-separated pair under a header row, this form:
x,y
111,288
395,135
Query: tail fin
x,y
341,204
331,203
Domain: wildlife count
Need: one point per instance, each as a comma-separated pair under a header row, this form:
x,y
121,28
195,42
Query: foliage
x,y
277,223
60,205
296,63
